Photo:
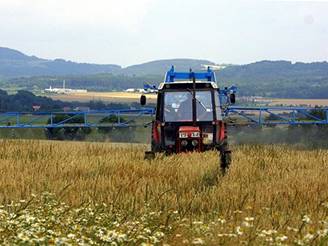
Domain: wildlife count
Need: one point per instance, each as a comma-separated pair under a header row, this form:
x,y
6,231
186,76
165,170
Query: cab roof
x,y
172,76
182,85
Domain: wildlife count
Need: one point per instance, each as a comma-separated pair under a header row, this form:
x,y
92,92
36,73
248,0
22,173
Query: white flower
x,y
141,237
154,240
198,241
159,234
122,237
306,219
222,221
227,235
268,232
282,238
22,236
248,219
308,237
246,224
4,212
238,231
292,229
147,230
299,242
30,219
71,236
60,241
322,233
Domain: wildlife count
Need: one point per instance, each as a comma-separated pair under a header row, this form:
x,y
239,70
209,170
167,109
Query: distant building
x,y
83,109
64,90
130,90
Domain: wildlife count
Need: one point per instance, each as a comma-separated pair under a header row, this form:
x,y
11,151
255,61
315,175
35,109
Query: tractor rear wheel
x,y
225,153
225,161
149,155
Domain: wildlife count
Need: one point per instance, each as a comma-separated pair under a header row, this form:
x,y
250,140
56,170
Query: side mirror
x,y
143,100
233,98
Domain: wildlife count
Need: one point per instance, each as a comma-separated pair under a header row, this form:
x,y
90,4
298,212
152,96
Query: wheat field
x,y
298,102
74,193
115,97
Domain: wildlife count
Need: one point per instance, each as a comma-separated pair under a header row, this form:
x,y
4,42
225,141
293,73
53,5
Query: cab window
x,y
218,106
177,106
204,107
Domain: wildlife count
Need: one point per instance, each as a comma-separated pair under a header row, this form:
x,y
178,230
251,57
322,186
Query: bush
x,y
67,133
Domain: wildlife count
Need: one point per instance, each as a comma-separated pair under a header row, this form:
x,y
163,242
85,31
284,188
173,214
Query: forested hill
x,y
279,79
160,67
16,64
275,70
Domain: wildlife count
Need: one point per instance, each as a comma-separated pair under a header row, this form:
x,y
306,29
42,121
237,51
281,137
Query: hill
x,y
160,67
281,79
16,64
10,54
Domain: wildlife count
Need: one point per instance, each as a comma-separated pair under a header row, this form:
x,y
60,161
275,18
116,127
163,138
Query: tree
x,y
67,133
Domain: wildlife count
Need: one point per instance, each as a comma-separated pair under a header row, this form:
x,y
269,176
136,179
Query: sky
x,y
127,32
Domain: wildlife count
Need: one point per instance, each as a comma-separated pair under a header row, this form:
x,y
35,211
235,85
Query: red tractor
x,y
189,116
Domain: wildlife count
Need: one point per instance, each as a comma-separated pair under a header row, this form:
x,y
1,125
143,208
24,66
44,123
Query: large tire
x,y
225,154
225,161
154,148
149,155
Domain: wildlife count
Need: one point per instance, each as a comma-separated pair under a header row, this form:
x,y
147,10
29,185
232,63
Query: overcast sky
x,y
127,32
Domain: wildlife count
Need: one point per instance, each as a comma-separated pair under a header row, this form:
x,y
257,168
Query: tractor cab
x,y
188,114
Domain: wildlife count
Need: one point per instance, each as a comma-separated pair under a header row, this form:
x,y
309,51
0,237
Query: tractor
x,y
189,115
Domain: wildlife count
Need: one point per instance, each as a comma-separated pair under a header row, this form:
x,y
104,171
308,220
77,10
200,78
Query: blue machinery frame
x,y
18,120
271,116
257,116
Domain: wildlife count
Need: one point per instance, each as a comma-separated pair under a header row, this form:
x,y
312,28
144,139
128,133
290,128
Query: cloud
x,y
309,1
133,31
123,14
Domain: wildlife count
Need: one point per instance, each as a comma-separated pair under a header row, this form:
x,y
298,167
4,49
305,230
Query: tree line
x,y
23,101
